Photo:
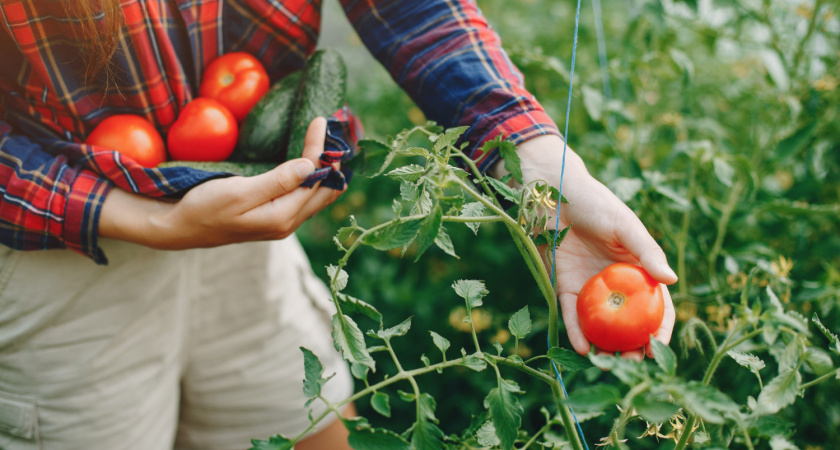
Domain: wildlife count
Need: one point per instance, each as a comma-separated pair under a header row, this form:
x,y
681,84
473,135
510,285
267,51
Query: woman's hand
x,y
604,230
223,211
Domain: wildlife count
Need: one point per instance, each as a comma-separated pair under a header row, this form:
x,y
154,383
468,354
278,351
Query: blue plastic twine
x,y
559,203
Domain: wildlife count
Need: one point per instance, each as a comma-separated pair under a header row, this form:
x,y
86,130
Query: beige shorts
x,y
160,350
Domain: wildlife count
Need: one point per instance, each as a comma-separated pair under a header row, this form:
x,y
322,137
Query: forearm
x,y
133,218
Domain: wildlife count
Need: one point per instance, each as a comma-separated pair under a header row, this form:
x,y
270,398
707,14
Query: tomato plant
x,y
237,80
132,136
204,131
620,307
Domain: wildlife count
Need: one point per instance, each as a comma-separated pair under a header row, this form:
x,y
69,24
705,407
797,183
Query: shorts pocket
x,y
18,423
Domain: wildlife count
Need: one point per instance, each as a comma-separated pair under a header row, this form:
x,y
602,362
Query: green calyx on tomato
x,y
131,136
204,131
237,80
620,307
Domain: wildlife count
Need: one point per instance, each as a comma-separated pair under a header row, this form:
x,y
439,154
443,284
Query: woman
x,y
199,348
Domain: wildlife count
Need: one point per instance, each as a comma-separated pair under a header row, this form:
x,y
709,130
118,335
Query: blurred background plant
x,y
720,127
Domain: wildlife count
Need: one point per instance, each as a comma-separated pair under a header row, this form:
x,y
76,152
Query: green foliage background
x,y
723,134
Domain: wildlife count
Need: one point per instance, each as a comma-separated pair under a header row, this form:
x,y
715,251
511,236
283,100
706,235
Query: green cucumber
x,y
242,169
322,93
264,134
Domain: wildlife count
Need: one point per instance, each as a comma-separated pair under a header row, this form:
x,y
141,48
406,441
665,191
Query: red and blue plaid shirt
x,y
442,52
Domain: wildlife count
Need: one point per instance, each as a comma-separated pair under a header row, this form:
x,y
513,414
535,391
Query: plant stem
x,y
819,380
682,240
723,224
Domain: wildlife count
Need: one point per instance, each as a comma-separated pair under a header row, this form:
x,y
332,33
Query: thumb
x,y
281,180
635,238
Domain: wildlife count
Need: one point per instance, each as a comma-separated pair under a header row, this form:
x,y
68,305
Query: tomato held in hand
x,y
236,80
132,136
620,307
204,131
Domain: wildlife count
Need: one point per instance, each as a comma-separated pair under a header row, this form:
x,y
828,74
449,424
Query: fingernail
x,y
668,271
303,168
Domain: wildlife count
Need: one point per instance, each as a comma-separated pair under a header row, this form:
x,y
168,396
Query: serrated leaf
x,y
520,323
414,151
397,330
423,204
707,402
548,237
629,372
428,231
568,360
374,158
654,410
312,369
486,435
751,362
409,192
664,357
338,278
364,437
475,363
832,338
472,291
594,398
779,392
410,173
396,234
449,137
348,339
819,360
425,434
444,242
473,209
397,207
508,193
440,342
507,150
505,411
350,304
380,402
276,442
344,233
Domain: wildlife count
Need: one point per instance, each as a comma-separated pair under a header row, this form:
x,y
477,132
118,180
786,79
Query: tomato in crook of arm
x,y
237,80
620,307
204,131
132,136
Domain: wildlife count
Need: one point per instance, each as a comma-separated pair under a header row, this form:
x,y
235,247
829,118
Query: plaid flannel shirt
x,y
442,52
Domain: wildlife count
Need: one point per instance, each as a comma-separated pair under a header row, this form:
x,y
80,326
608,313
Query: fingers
x,y
313,143
663,334
568,307
280,181
635,237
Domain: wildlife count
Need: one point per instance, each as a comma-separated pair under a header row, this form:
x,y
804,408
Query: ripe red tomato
x,y
132,136
237,80
620,307
204,131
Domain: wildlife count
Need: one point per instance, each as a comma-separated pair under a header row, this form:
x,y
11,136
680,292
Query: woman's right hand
x,y
224,211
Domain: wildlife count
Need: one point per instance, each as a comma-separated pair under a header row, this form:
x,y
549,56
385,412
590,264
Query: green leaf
x,y
359,371
337,281
796,142
520,323
429,228
472,291
594,398
414,151
425,434
443,241
473,209
781,443
410,173
440,342
423,205
348,339
707,402
344,233
486,435
448,138
474,362
397,207
664,357
547,237
351,304
381,403
396,234
779,392
508,193
653,409
374,157
276,442
819,360
768,426
751,362
312,369
364,437
832,338
397,330
629,372
593,102
505,411
507,150
568,360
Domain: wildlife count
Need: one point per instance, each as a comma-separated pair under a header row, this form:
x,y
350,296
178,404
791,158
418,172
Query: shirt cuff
x,y
516,128
82,207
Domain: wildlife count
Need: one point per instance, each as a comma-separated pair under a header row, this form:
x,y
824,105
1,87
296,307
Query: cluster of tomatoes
x,y
207,127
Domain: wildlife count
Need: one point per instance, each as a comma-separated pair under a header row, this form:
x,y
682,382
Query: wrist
x,y
135,218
